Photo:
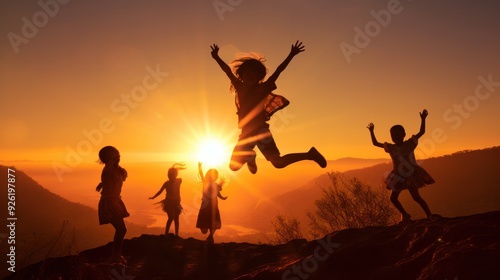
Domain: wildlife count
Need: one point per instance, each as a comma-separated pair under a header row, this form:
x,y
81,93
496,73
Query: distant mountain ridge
x,y
467,182
350,163
48,225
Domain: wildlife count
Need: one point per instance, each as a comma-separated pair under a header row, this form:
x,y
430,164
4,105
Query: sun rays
x,y
213,151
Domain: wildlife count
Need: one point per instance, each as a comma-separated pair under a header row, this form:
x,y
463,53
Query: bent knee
x,y
235,166
394,196
277,162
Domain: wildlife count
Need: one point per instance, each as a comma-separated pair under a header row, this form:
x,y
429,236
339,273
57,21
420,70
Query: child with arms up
x,y
255,104
209,215
406,173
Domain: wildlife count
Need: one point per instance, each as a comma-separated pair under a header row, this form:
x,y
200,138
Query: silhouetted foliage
x,y
350,203
286,229
346,203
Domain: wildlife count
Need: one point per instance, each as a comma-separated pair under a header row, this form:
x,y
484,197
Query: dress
x,y
172,202
209,215
406,172
255,105
111,206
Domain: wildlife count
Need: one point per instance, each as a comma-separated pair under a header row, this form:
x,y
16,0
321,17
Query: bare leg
x,y
120,231
240,157
176,224
397,204
312,154
210,237
167,227
416,196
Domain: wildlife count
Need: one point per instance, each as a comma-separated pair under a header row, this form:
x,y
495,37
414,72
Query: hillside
x,y
246,191
466,183
443,248
48,225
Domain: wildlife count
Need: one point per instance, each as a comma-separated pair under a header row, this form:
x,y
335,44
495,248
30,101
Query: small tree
x,y
286,229
350,203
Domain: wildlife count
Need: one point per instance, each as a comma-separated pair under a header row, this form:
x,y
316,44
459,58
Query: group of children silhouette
x,y
255,103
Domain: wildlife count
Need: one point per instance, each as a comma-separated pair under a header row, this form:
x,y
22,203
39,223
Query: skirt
x,y
209,217
172,207
111,208
417,179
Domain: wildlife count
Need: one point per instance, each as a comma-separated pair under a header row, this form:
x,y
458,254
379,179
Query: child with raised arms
x,y
255,104
406,173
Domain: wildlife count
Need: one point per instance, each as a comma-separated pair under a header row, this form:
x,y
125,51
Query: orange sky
x,y
80,75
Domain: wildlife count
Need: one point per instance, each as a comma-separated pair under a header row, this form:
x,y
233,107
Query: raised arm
x,y
423,115
222,64
296,49
200,172
376,143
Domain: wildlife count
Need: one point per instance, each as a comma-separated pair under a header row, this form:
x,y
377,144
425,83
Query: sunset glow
x,y
213,153
77,76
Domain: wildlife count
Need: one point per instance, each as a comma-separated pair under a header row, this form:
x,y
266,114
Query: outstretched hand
x,y
297,48
215,50
371,127
424,114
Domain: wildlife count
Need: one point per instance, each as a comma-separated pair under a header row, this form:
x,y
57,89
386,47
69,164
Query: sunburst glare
x,y
213,152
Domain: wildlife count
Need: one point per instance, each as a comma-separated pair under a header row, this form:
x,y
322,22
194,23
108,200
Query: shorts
x,y
249,138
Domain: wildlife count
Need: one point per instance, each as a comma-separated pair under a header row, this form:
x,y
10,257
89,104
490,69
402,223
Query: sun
x,y
213,152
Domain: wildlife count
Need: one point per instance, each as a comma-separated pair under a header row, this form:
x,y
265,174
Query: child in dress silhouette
x,y
172,202
406,173
111,208
255,104
209,215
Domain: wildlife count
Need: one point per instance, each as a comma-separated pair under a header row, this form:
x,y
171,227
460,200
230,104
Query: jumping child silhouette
x,y
111,208
255,104
406,173
172,202
209,215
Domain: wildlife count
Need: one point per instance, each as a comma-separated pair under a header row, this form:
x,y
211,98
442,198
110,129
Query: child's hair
x,y
212,175
174,170
249,61
108,153
397,129
253,65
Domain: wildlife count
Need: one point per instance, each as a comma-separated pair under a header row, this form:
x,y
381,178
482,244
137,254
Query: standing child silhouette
x,y
209,215
111,209
406,173
172,202
255,104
